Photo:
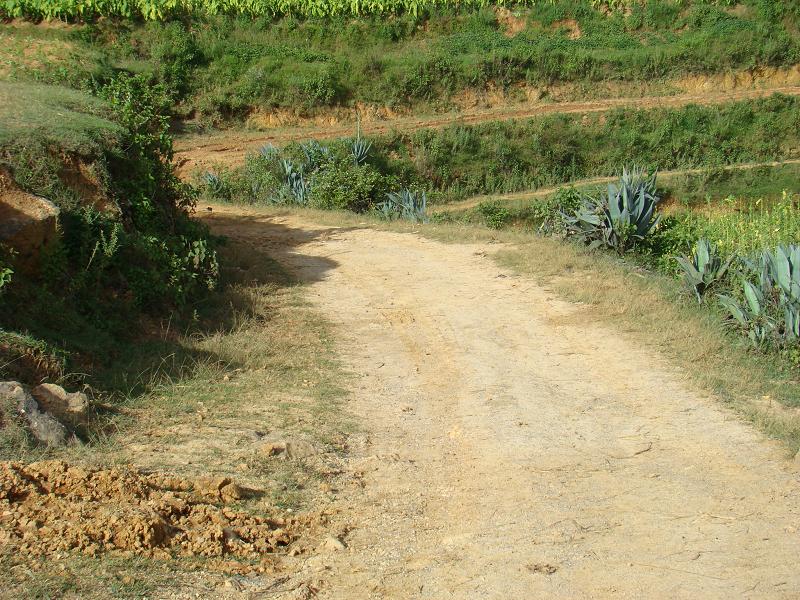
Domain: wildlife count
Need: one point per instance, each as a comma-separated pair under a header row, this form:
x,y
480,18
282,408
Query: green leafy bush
x,y
495,214
345,186
337,176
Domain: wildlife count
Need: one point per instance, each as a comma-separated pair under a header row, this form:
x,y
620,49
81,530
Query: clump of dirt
x,y
49,507
760,78
512,24
572,27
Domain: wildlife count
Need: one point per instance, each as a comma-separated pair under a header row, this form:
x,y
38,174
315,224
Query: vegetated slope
x,y
469,203
225,70
228,149
124,246
514,446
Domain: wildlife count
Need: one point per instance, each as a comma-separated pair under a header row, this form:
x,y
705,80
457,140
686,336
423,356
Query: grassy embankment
x,y
222,70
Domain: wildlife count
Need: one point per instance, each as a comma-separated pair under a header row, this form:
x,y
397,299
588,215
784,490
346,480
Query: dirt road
x,y
228,148
462,205
510,449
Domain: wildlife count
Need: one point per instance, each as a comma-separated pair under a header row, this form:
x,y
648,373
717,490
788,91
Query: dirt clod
x,y
48,507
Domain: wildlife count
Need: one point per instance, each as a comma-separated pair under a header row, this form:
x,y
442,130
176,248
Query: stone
x,y
332,544
212,486
289,449
28,223
69,408
43,426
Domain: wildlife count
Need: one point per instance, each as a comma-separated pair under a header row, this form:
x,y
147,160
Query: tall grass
x,y
748,228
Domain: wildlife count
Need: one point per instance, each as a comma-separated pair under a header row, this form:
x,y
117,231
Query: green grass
x,y
74,121
224,69
461,161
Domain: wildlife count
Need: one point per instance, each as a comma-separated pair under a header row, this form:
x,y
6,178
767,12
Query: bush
x,y
768,308
345,186
495,215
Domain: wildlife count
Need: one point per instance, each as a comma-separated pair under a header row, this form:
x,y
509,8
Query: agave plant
x,y
268,151
753,315
704,268
404,205
621,217
296,182
217,187
315,154
772,303
782,267
360,150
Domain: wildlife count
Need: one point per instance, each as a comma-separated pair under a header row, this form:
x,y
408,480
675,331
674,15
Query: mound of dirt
x,y
48,507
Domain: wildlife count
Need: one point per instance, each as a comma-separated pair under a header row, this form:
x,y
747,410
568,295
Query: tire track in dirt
x,y
513,449
591,181
228,149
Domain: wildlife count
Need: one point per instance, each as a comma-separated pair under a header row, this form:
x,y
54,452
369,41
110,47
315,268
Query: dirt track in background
x,y
511,449
228,148
591,181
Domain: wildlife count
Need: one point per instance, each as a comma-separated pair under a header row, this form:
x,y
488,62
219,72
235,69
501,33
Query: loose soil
x,y
513,448
52,507
228,148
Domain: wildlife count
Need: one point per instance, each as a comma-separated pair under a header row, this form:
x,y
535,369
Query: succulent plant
x,y
315,154
296,183
360,150
704,268
405,204
772,299
621,217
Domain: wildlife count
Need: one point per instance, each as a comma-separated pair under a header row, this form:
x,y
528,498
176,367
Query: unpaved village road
x,y
229,148
512,450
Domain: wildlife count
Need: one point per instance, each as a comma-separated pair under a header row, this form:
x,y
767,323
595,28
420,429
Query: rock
x,y
70,408
43,427
212,486
28,223
232,491
289,449
273,448
332,544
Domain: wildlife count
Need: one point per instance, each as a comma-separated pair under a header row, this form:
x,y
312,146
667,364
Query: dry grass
x,y
259,366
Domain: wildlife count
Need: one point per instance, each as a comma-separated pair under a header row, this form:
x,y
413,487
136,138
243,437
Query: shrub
x,y
769,307
405,204
495,215
550,214
345,186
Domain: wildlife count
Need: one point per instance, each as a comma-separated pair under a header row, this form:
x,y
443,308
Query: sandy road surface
x,y
229,148
513,450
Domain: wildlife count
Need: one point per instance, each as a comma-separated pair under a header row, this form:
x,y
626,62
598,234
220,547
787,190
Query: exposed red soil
x,y
51,507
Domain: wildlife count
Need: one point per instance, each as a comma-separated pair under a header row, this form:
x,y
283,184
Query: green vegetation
x,y
158,9
620,218
223,69
126,246
461,161
342,175
704,268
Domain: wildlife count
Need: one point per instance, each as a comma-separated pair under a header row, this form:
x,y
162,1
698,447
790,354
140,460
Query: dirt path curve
x,y
513,450
229,148
592,181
